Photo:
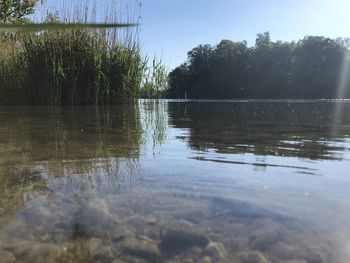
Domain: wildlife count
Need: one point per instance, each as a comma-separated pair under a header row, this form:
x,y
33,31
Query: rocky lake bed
x,y
153,228
176,181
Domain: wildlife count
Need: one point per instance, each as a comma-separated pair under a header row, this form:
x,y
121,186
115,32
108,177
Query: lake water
x,y
176,181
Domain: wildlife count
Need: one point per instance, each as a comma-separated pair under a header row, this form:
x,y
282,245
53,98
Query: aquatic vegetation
x,y
77,62
70,67
79,68
37,27
155,82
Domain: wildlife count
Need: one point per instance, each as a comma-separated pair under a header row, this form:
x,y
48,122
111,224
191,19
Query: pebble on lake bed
x,y
264,240
252,257
175,241
216,251
205,260
6,257
142,249
295,261
285,252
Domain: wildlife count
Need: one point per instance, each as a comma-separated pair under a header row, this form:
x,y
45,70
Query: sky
x,y
171,28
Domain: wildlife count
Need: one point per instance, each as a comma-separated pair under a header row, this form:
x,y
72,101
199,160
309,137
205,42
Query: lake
x,y
176,181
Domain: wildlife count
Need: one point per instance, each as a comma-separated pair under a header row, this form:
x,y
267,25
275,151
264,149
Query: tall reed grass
x,y
101,66
155,81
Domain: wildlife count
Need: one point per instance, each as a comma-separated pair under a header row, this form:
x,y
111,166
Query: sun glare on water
x,y
342,91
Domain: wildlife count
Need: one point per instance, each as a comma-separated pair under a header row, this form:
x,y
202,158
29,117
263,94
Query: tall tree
x,y
16,10
308,69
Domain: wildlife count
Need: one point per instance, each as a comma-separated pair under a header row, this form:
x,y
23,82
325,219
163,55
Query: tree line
x,y
310,68
16,10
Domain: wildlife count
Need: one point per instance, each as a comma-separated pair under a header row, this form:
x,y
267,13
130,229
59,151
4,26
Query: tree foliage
x,y
16,10
307,69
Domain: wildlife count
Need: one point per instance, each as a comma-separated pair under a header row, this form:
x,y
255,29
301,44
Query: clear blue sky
x,y
170,28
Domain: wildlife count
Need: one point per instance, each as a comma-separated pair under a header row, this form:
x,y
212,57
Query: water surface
x,y
176,181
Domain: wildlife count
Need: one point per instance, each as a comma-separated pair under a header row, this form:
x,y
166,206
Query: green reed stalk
x,y
56,67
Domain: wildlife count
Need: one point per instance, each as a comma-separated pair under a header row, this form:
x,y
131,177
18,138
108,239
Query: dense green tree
x,y
307,69
317,64
199,67
263,41
179,79
228,66
16,10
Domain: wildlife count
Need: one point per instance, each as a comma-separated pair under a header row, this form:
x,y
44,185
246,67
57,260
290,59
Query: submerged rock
x,y
264,240
317,255
252,257
295,261
118,239
174,241
205,260
151,220
141,249
284,251
42,252
216,251
145,254
95,245
6,257
242,210
195,216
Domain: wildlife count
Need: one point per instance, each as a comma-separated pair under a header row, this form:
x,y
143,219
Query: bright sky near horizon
x,y
170,28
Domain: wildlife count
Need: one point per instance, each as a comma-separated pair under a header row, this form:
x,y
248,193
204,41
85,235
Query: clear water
x,y
176,181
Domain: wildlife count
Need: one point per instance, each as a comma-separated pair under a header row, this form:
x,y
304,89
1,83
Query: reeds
x,y
155,82
100,66
76,67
